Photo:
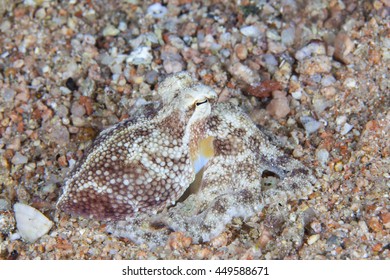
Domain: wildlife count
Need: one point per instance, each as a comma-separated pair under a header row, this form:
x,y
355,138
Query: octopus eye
x,y
201,102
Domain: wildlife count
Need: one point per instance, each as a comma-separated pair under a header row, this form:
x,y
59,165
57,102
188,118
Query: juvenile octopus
x,y
135,173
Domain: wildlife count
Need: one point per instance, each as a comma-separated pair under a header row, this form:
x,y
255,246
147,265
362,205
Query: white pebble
x,y
288,36
310,124
346,128
122,26
313,238
250,31
15,236
328,80
350,83
110,31
297,94
341,120
140,55
31,223
89,39
18,158
157,10
322,156
312,48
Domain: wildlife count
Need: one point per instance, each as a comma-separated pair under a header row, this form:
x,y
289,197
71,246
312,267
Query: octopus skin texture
x,y
135,173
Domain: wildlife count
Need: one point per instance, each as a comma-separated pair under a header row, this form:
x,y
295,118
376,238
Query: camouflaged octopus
x,y
135,173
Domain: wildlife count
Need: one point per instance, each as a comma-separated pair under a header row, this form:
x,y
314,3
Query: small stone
x,y
4,204
7,221
110,30
140,55
71,84
343,47
322,156
374,224
328,80
297,94
310,124
279,105
251,31
350,83
316,227
18,158
377,247
338,167
386,219
313,48
244,73
77,109
9,95
172,66
320,104
328,92
177,241
346,128
151,77
60,135
288,36
18,63
313,238
89,39
31,223
315,65
241,51
219,241
265,238
157,11
62,161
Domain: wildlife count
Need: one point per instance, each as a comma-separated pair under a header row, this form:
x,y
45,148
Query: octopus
x,y
136,175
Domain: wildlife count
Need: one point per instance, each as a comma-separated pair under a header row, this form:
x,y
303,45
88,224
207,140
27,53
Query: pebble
x,y
343,47
89,39
313,48
313,238
386,219
297,94
140,55
310,124
350,83
288,36
31,223
18,158
151,77
328,80
4,204
374,224
250,31
9,95
172,66
110,30
241,51
279,105
7,221
346,128
315,65
338,167
77,109
244,73
60,135
322,156
157,11
320,104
